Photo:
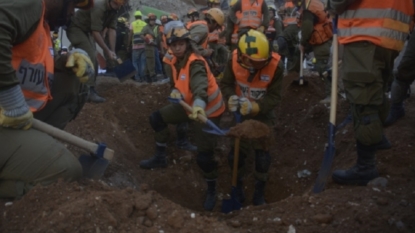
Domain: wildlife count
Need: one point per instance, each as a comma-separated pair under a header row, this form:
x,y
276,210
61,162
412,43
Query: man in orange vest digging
x,y
252,84
372,32
27,84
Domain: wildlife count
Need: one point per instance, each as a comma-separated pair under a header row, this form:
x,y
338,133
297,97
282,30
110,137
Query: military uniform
x,y
150,51
84,22
32,157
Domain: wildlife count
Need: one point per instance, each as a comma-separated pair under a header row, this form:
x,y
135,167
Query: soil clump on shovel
x,y
254,130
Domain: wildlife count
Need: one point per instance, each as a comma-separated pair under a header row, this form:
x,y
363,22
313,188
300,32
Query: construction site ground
x,y
130,199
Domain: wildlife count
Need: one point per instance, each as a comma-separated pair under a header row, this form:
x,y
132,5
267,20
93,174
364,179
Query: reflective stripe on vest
x,y
138,26
257,88
251,14
215,105
33,63
290,21
384,23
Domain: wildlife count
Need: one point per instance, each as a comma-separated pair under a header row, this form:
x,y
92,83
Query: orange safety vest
x,y
215,106
384,23
33,62
289,21
163,38
235,37
189,26
256,88
251,16
323,28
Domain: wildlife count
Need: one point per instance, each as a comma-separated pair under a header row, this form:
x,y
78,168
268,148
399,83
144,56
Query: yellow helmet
x,y
138,13
254,45
233,2
217,15
176,34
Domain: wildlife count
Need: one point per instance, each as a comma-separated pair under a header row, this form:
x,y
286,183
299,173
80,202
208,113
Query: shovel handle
x,y
70,138
189,109
235,162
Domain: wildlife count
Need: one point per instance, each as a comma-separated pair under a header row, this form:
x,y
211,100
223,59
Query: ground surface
x,y
130,199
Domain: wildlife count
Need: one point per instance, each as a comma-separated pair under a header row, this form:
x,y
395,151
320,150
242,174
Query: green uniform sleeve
x,y
307,27
227,84
273,96
18,20
198,81
97,15
265,15
278,28
229,29
199,33
147,30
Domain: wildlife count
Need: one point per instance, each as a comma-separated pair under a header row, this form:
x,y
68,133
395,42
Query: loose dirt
x,y
130,199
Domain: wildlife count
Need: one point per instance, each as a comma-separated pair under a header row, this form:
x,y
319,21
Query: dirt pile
x,y
300,134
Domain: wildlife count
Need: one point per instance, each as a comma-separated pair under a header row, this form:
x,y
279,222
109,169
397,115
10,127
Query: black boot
x,y
259,198
94,97
384,144
239,191
182,141
364,170
159,160
210,200
397,111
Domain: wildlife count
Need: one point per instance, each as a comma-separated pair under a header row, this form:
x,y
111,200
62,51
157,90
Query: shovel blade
x,y
221,132
93,167
125,70
229,205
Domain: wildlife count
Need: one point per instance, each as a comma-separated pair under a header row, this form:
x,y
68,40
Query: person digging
x,y
192,82
252,84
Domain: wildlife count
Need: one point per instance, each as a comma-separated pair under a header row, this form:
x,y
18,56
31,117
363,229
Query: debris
x,y
291,229
304,173
378,182
323,218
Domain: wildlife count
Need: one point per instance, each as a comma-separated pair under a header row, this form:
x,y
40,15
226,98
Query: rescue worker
x,y
194,83
370,47
210,4
316,30
30,157
275,26
121,41
56,41
193,15
86,29
288,41
252,84
245,15
215,21
162,37
404,77
138,46
199,32
152,59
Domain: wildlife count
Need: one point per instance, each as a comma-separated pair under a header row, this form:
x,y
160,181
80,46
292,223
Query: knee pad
x,y
262,161
156,121
206,162
369,129
241,160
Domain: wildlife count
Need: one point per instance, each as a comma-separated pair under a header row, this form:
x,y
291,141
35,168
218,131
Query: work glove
x,y
233,103
248,107
198,108
14,112
175,94
81,65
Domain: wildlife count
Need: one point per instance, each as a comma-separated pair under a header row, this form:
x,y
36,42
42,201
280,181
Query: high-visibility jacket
x,y
33,62
138,26
235,36
189,27
323,27
384,23
215,106
256,88
251,14
289,20
163,40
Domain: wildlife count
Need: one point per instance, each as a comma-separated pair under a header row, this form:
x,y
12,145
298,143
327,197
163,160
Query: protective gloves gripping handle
x,y
81,65
248,107
175,94
233,103
20,122
198,108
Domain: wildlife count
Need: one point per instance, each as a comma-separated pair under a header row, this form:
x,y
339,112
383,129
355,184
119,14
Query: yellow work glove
x,y
233,103
248,107
175,94
81,65
195,111
20,122
14,112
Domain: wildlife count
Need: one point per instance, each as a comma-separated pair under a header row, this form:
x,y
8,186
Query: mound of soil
x,y
121,202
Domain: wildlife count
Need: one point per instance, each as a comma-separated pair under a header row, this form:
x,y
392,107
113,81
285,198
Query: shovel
x,y
93,165
301,81
124,70
330,148
213,129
